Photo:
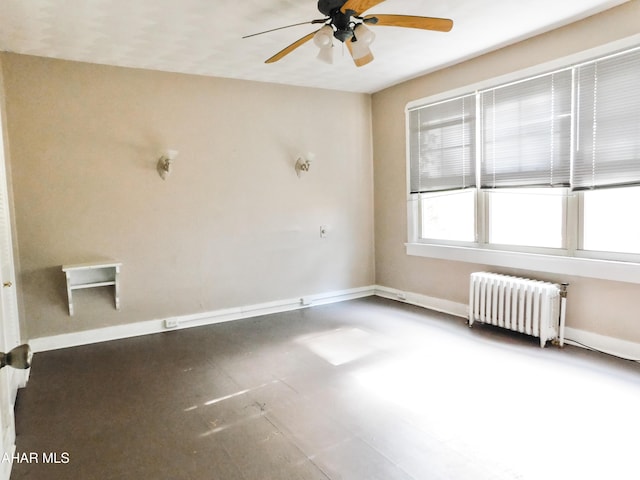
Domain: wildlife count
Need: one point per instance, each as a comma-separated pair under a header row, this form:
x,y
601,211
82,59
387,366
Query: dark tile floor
x,y
367,389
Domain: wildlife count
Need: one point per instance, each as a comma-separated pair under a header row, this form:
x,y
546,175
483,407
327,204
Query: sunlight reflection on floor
x,y
344,345
520,415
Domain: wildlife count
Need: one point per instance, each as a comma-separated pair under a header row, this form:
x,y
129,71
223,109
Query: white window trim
x,y
624,271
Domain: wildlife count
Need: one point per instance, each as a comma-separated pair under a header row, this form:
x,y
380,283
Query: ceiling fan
x,y
344,21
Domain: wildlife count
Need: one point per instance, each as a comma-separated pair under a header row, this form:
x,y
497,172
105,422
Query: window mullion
x,y
483,218
573,203
579,201
480,227
573,216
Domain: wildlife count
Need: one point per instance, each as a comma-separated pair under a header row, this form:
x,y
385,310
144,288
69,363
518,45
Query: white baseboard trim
x,y
431,303
148,327
579,338
613,346
594,341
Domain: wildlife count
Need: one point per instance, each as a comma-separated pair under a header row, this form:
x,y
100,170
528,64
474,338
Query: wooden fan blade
x,y
411,21
359,61
359,6
291,48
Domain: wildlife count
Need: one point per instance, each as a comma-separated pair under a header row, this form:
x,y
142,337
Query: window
x,y
442,163
441,151
529,217
545,164
448,216
607,150
526,128
602,227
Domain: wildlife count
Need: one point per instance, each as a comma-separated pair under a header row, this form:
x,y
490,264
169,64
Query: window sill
x,y
574,266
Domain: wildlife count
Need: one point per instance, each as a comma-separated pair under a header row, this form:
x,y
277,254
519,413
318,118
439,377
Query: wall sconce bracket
x,y
165,162
303,163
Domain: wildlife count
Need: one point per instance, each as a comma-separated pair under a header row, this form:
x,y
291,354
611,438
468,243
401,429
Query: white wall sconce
x,y
164,163
303,163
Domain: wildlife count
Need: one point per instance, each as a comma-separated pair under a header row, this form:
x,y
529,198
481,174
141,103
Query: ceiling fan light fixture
x,y
324,41
363,35
359,46
325,54
324,37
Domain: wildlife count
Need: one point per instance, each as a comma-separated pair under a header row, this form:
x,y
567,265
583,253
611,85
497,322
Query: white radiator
x,y
520,304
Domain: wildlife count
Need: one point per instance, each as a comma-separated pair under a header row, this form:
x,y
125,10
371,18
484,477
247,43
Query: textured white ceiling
x,y
204,36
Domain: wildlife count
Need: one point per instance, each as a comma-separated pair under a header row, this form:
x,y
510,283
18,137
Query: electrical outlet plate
x,y
171,323
323,231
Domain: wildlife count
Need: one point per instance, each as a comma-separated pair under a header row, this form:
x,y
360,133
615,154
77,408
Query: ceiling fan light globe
x,y
324,37
325,54
363,35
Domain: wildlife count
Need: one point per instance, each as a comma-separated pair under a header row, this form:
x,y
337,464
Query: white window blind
x,y
608,122
526,132
441,145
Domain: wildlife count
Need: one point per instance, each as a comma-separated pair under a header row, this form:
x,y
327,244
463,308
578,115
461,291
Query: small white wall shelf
x,y
90,275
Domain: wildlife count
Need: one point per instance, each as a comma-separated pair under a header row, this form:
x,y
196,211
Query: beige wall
x,y
232,226
607,308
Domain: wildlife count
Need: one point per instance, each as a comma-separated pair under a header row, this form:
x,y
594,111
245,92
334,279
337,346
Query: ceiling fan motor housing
x,y
343,26
326,7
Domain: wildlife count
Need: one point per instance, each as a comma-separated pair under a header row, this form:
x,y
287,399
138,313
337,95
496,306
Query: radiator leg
x,y
563,313
472,298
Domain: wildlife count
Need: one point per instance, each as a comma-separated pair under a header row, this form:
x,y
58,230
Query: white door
x,y
10,379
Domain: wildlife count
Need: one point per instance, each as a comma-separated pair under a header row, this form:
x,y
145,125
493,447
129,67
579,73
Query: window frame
x,y
570,260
